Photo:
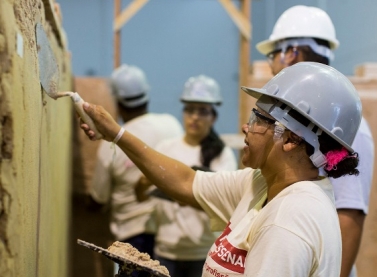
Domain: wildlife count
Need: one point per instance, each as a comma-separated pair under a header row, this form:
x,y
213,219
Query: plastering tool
x,y
49,77
126,266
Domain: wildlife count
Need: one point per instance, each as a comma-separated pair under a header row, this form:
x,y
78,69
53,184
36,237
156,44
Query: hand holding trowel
x,y
49,77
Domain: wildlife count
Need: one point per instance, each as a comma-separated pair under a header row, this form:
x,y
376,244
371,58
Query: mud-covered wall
x,y
35,146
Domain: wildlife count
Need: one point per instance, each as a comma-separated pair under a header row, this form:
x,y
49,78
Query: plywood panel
x,y
367,257
95,91
87,225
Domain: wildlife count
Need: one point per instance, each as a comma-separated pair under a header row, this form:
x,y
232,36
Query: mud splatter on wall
x,y
35,146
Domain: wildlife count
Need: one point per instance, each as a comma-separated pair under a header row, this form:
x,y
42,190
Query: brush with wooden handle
x,y
78,104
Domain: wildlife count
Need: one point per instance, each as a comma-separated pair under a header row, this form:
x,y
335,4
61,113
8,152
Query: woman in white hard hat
x,y
278,219
301,33
184,235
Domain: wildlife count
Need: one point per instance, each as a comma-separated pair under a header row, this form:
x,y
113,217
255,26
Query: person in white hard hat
x,y
301,33
184,235
116,175
305,33
278,215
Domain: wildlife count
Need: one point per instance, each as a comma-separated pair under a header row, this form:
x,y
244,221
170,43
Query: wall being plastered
x,y
35,140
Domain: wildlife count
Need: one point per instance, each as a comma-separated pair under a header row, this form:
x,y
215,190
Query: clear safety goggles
x,y
259,123
271,56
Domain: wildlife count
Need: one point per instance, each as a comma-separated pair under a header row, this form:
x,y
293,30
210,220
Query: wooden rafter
x,y
128,13
121,18
244,65
238,17
117,38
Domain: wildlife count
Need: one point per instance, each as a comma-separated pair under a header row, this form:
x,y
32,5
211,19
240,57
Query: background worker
x,y
184,236
278,214
116,175
305,33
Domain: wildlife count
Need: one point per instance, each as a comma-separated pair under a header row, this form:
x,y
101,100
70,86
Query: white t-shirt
x,y
352,192
184,232
296,234
115,176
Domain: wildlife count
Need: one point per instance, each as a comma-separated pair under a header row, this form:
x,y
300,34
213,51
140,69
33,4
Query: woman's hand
x,y
104,122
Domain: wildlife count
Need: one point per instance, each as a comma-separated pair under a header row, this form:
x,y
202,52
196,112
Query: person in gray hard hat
x,y
278,214
305,33
184,235
115,174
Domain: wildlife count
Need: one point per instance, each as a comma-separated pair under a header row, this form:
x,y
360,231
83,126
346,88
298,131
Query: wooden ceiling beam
x,y
244,68
239,18
128,13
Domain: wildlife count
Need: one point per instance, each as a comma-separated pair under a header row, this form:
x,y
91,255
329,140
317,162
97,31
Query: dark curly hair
x,y
347,166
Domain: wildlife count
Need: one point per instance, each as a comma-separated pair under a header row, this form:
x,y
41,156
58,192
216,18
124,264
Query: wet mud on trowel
x,y
49,77
126,267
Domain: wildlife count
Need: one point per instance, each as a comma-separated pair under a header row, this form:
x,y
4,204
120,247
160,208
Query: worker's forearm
x,y
351,225
171,176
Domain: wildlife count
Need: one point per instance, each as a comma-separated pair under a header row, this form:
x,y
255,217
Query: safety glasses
x,y
258,123
271,56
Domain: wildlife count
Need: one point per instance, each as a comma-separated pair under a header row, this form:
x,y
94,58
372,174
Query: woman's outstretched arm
x,y
171,176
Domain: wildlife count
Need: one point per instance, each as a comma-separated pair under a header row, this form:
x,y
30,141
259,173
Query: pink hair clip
x,y
334,157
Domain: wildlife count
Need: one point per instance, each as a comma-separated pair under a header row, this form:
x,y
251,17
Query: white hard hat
x,y
301,22
130,86
321,94
201,89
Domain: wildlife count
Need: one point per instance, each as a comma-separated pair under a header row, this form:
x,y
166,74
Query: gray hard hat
x,y
201,89
321,94
130,86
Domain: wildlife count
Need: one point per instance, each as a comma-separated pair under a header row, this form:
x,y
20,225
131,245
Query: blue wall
x,y
172,40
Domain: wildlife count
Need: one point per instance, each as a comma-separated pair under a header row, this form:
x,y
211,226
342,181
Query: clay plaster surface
x,y
35,139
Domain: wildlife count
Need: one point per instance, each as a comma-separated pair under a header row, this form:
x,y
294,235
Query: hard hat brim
x,y
265,47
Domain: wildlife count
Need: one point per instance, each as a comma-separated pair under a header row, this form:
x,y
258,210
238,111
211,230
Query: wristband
x,y
119,135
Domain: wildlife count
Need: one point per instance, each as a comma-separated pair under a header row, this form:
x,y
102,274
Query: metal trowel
x,y
126,266
48,67
49,77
